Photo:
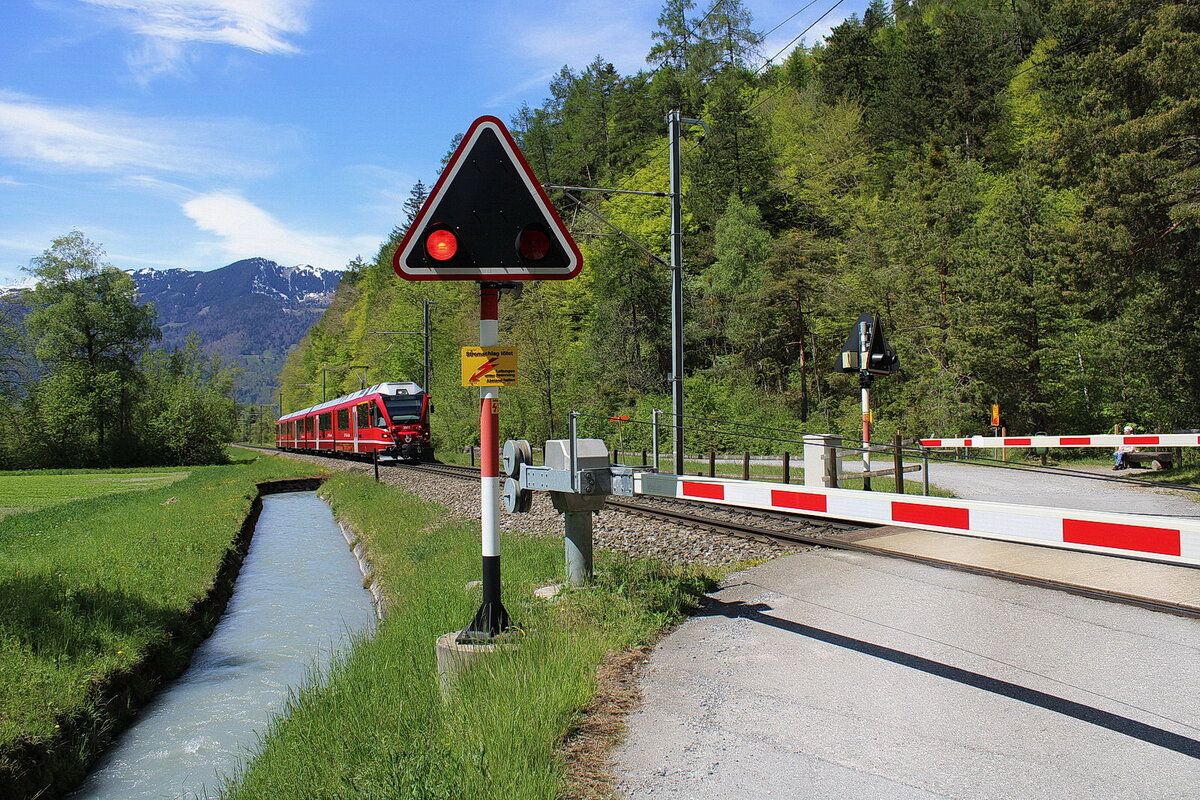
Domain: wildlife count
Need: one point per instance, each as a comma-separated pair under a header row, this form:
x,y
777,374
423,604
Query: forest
x,y
1011,185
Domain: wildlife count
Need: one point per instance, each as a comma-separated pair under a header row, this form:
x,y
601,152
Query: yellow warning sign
x,y
489,366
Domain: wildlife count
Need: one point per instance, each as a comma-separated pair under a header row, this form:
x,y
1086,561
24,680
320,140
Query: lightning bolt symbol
x,y
484,369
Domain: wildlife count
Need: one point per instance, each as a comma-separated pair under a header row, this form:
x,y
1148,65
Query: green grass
x,y
86,587
30,490
375,726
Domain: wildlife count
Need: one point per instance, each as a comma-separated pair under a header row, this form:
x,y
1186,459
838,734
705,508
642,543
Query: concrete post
x,y
822,459
579,547
577,510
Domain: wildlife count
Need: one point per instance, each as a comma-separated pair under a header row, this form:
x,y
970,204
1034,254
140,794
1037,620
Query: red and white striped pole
x,y
491,618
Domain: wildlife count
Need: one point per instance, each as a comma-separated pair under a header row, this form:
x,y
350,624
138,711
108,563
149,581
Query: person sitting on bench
x,y
1121,450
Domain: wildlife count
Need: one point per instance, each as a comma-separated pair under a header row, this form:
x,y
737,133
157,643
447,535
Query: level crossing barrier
x,y
1098,440
1170,539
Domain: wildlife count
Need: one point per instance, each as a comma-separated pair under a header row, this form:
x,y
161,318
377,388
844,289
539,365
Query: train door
x,y
325,431
342,436
362,421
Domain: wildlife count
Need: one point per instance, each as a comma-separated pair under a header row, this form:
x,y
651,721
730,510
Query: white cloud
x,y
170,26
245,230
259,25
88,140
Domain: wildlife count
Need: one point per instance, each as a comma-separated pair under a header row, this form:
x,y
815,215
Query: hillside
x,y
1011,187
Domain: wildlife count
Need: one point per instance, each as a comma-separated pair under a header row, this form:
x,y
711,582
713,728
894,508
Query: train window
x,y
326,421
310,425
364,415
404,410
343,418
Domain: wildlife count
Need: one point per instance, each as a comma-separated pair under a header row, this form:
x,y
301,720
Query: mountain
x,y
251,312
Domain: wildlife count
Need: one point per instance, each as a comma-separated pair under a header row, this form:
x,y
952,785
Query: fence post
x,y
375,458
898,462
786,466
712,464
745,466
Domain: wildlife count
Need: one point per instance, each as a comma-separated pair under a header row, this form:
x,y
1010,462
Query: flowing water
x,y
298,598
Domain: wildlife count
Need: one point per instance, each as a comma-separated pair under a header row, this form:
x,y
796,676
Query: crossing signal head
x,y
441,244
533,243
487,218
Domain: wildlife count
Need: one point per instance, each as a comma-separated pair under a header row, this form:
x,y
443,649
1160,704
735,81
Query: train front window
x,y
404,409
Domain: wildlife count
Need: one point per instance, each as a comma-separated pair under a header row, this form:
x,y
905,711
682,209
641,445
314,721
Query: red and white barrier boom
x,y
1167,539
1099,440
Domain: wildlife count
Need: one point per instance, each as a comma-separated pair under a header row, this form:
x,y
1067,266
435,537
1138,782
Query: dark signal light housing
x,y
533,243
441,244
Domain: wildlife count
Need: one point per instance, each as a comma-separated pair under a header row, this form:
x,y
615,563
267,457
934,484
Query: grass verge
x,y
30,490
102,598
375,725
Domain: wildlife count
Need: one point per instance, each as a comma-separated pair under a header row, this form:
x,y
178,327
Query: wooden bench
x,y
1158,460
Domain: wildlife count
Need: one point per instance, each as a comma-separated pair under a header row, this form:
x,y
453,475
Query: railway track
x,y
794,529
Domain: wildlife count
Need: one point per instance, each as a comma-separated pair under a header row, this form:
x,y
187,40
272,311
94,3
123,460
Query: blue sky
x,y
193,133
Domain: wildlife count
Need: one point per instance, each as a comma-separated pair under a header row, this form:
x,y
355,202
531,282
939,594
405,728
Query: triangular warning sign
x,y
487,219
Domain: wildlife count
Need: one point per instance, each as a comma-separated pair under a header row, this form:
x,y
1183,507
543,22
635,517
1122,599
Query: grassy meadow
x,y
30,490
89,587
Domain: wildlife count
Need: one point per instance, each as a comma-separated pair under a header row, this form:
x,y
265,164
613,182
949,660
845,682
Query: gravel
x,y
612,530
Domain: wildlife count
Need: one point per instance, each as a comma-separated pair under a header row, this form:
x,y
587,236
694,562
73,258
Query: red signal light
x,y
441,245
534,243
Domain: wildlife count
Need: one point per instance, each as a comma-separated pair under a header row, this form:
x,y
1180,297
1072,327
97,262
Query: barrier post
x,y
786,467
491,619
712,464
375,458
745,466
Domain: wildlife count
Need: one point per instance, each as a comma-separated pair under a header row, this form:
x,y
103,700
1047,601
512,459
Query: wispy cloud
x,y
90,140
169,27
245,230
574,34
260,25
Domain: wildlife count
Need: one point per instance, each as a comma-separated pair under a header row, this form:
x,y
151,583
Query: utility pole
x,y
425,304
674,126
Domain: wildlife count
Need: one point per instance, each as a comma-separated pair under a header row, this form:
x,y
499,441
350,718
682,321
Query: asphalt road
x,y
843,675
1096,492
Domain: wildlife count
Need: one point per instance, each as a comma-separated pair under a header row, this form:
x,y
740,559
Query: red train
x,y
389,418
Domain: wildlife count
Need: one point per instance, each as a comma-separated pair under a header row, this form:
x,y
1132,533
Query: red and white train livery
x,y
389,418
